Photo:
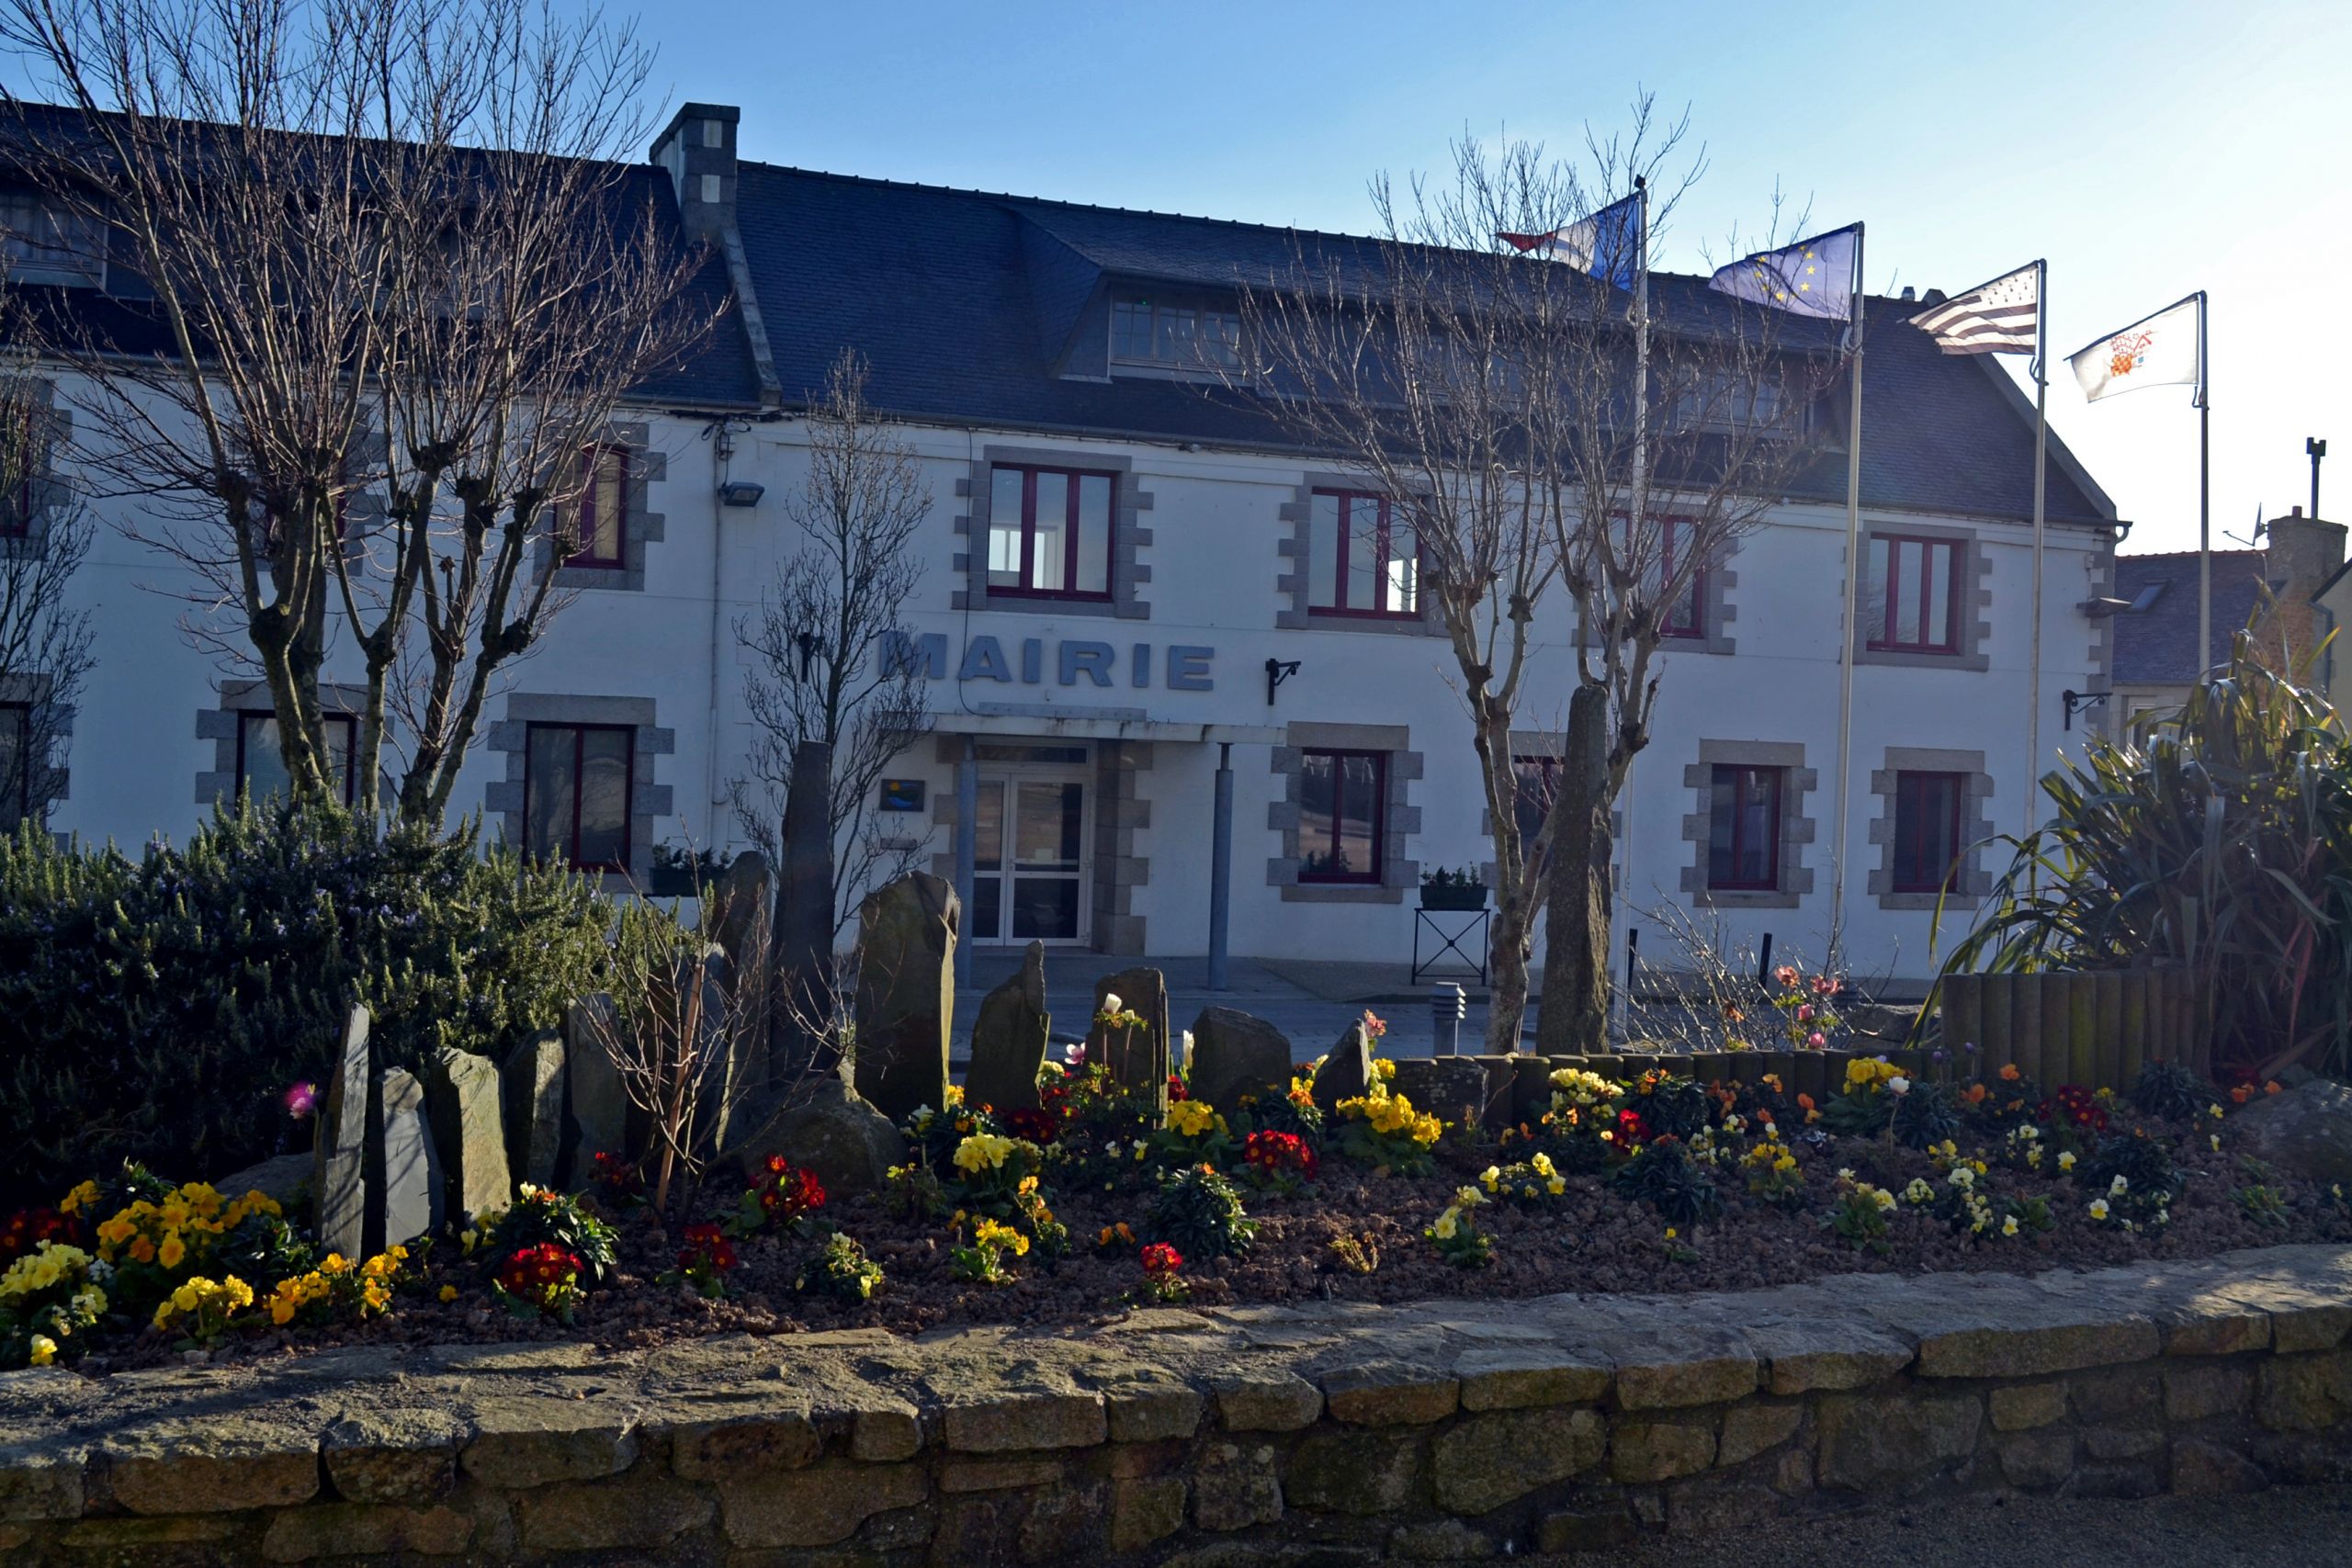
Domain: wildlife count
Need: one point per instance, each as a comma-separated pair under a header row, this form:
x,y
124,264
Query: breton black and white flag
x,y
1999,317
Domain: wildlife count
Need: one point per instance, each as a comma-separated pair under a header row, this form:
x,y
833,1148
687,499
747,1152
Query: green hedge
x,y
156,1008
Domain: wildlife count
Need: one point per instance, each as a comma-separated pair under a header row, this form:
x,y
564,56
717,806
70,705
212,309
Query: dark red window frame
x,y
1912,809
1379,609
1886,640
1369,877
592,461
1680,620
579,733
1737,850
1072,525
350,750
16,791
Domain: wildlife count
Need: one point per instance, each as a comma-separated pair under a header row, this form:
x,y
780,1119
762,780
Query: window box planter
x,y
675,882
1473,898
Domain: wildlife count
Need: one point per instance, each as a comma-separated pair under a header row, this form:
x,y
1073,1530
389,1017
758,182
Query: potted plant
x,y
1444,889
680,873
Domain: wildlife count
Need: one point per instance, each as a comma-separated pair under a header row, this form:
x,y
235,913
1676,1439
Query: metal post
x,y
967,825
1851,634
2204,504
2041,448
1221,868
1448,1007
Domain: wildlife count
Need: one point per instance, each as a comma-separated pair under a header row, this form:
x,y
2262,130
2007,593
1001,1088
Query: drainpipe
x,y
1221,868
967,823
722,448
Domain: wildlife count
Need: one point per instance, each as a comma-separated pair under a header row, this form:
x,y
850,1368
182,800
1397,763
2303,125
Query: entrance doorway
x,y
1031,860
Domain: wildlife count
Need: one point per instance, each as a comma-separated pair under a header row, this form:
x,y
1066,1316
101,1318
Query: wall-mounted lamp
x,y
2076,701
740,493
809,642
1277,671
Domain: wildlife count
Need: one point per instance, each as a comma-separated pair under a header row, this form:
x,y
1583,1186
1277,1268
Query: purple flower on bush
x,y
301,1099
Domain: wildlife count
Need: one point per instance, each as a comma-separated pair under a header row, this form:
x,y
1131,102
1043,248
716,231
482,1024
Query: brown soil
x,y
1589,1240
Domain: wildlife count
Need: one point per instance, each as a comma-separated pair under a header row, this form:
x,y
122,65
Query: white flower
x,y
2098,1208
1187,1058
1898,1085
2118,1188
2009,1226
2215,1139
1884,1199
2065,1159
1112,1004
1962,1177
1845,1173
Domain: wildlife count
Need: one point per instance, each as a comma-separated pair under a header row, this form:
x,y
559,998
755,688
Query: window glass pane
x,y
988,828
342,736
1359,801
1364,552
1044,909
1176,335
1094,533
1874,589
608,507
1722,827
1049,563
1317,786
1131,330
16,763
1223,340
546,803
1404,565
1938,623
1046,821
1908,566
1004,528
1758,801
603,798
1535,783
266,772
1323,552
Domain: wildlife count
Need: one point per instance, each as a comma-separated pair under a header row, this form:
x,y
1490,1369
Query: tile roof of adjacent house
x,y
964,303
2157,645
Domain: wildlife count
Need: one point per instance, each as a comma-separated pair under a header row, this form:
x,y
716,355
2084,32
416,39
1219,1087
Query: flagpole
x,y
1621,913
1852,632
2040,465
2204,505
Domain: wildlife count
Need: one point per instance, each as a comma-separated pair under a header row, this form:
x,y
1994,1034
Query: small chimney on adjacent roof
x,y
2303,552
698,151
1906,292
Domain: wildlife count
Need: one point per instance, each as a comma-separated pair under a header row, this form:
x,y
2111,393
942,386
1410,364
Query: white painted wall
x,y
1215,564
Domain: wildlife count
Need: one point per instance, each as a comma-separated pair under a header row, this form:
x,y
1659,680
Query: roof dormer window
x,y
44,243
1164,333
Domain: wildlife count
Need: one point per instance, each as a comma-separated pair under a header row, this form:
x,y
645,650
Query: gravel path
x,y
2307,1526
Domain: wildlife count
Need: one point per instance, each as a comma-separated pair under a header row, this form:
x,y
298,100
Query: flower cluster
x,y
841,1269
1859,1214
2075,1107
51,1295
27,1228
785,1191
1382,1129
982,1260
1457,1239
542,1279
1162,1276
1773,1173
338,1285
203,1309
1807,1017
179,1231
706,1259
984,1152
1531,1180
1280,1160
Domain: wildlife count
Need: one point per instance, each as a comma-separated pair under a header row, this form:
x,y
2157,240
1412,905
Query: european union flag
x,y
1811,278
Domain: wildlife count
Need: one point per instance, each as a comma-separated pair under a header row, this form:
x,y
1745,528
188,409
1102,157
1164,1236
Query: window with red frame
x,y
1912,603
16,763
1743,830
1362,558
1535,784
1684,617
261,765
602,521
1049,533
1926,830
576,785
1340,836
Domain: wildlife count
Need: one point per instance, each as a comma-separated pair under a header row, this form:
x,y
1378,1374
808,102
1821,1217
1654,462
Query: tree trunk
x,y
1573,1018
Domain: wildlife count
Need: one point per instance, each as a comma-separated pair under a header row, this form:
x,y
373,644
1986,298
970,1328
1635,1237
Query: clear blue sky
x,y
2148,149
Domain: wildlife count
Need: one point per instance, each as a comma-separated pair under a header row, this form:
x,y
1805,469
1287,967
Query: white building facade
x,y
1113,573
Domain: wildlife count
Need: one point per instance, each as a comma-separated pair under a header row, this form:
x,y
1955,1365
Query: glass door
x,y
1041,896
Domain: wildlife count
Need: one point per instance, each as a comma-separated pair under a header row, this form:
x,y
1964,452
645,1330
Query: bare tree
x,y
44,644
1486,394
826,665
389,278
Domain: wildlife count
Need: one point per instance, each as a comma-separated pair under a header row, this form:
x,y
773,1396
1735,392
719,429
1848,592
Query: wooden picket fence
x,y
2097,1030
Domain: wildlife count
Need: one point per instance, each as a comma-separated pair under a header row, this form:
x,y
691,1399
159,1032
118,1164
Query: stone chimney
x,y
698,149
2302,554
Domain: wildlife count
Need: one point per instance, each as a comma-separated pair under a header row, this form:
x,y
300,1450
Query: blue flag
x,y
1811,278
1608,244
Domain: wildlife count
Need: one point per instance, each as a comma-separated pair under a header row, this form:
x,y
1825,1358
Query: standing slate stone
x,y
463,1103
599,1102
1234,1053
339,1182
1139,1058
403,1170
1009,1039
737,912
906,992
1453,1087
804,991
532,1093
1347,1071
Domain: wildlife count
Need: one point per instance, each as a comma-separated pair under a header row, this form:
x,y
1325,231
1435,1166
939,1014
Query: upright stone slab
x,y
1234,1053
906,992
463,1102
532,1094
1137,1058
737,912
599,1102
805,981
339,1180
1009,1039
1347,1071
1453,1087
403,1170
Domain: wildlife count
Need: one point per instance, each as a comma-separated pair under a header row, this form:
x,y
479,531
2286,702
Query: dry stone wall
x,y
1331,1434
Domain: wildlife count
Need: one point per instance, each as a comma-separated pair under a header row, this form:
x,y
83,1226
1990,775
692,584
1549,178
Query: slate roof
x,y
2158,647
963,301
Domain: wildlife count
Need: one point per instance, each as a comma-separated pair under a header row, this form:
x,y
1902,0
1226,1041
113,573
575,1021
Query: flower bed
x,y
1098,1202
